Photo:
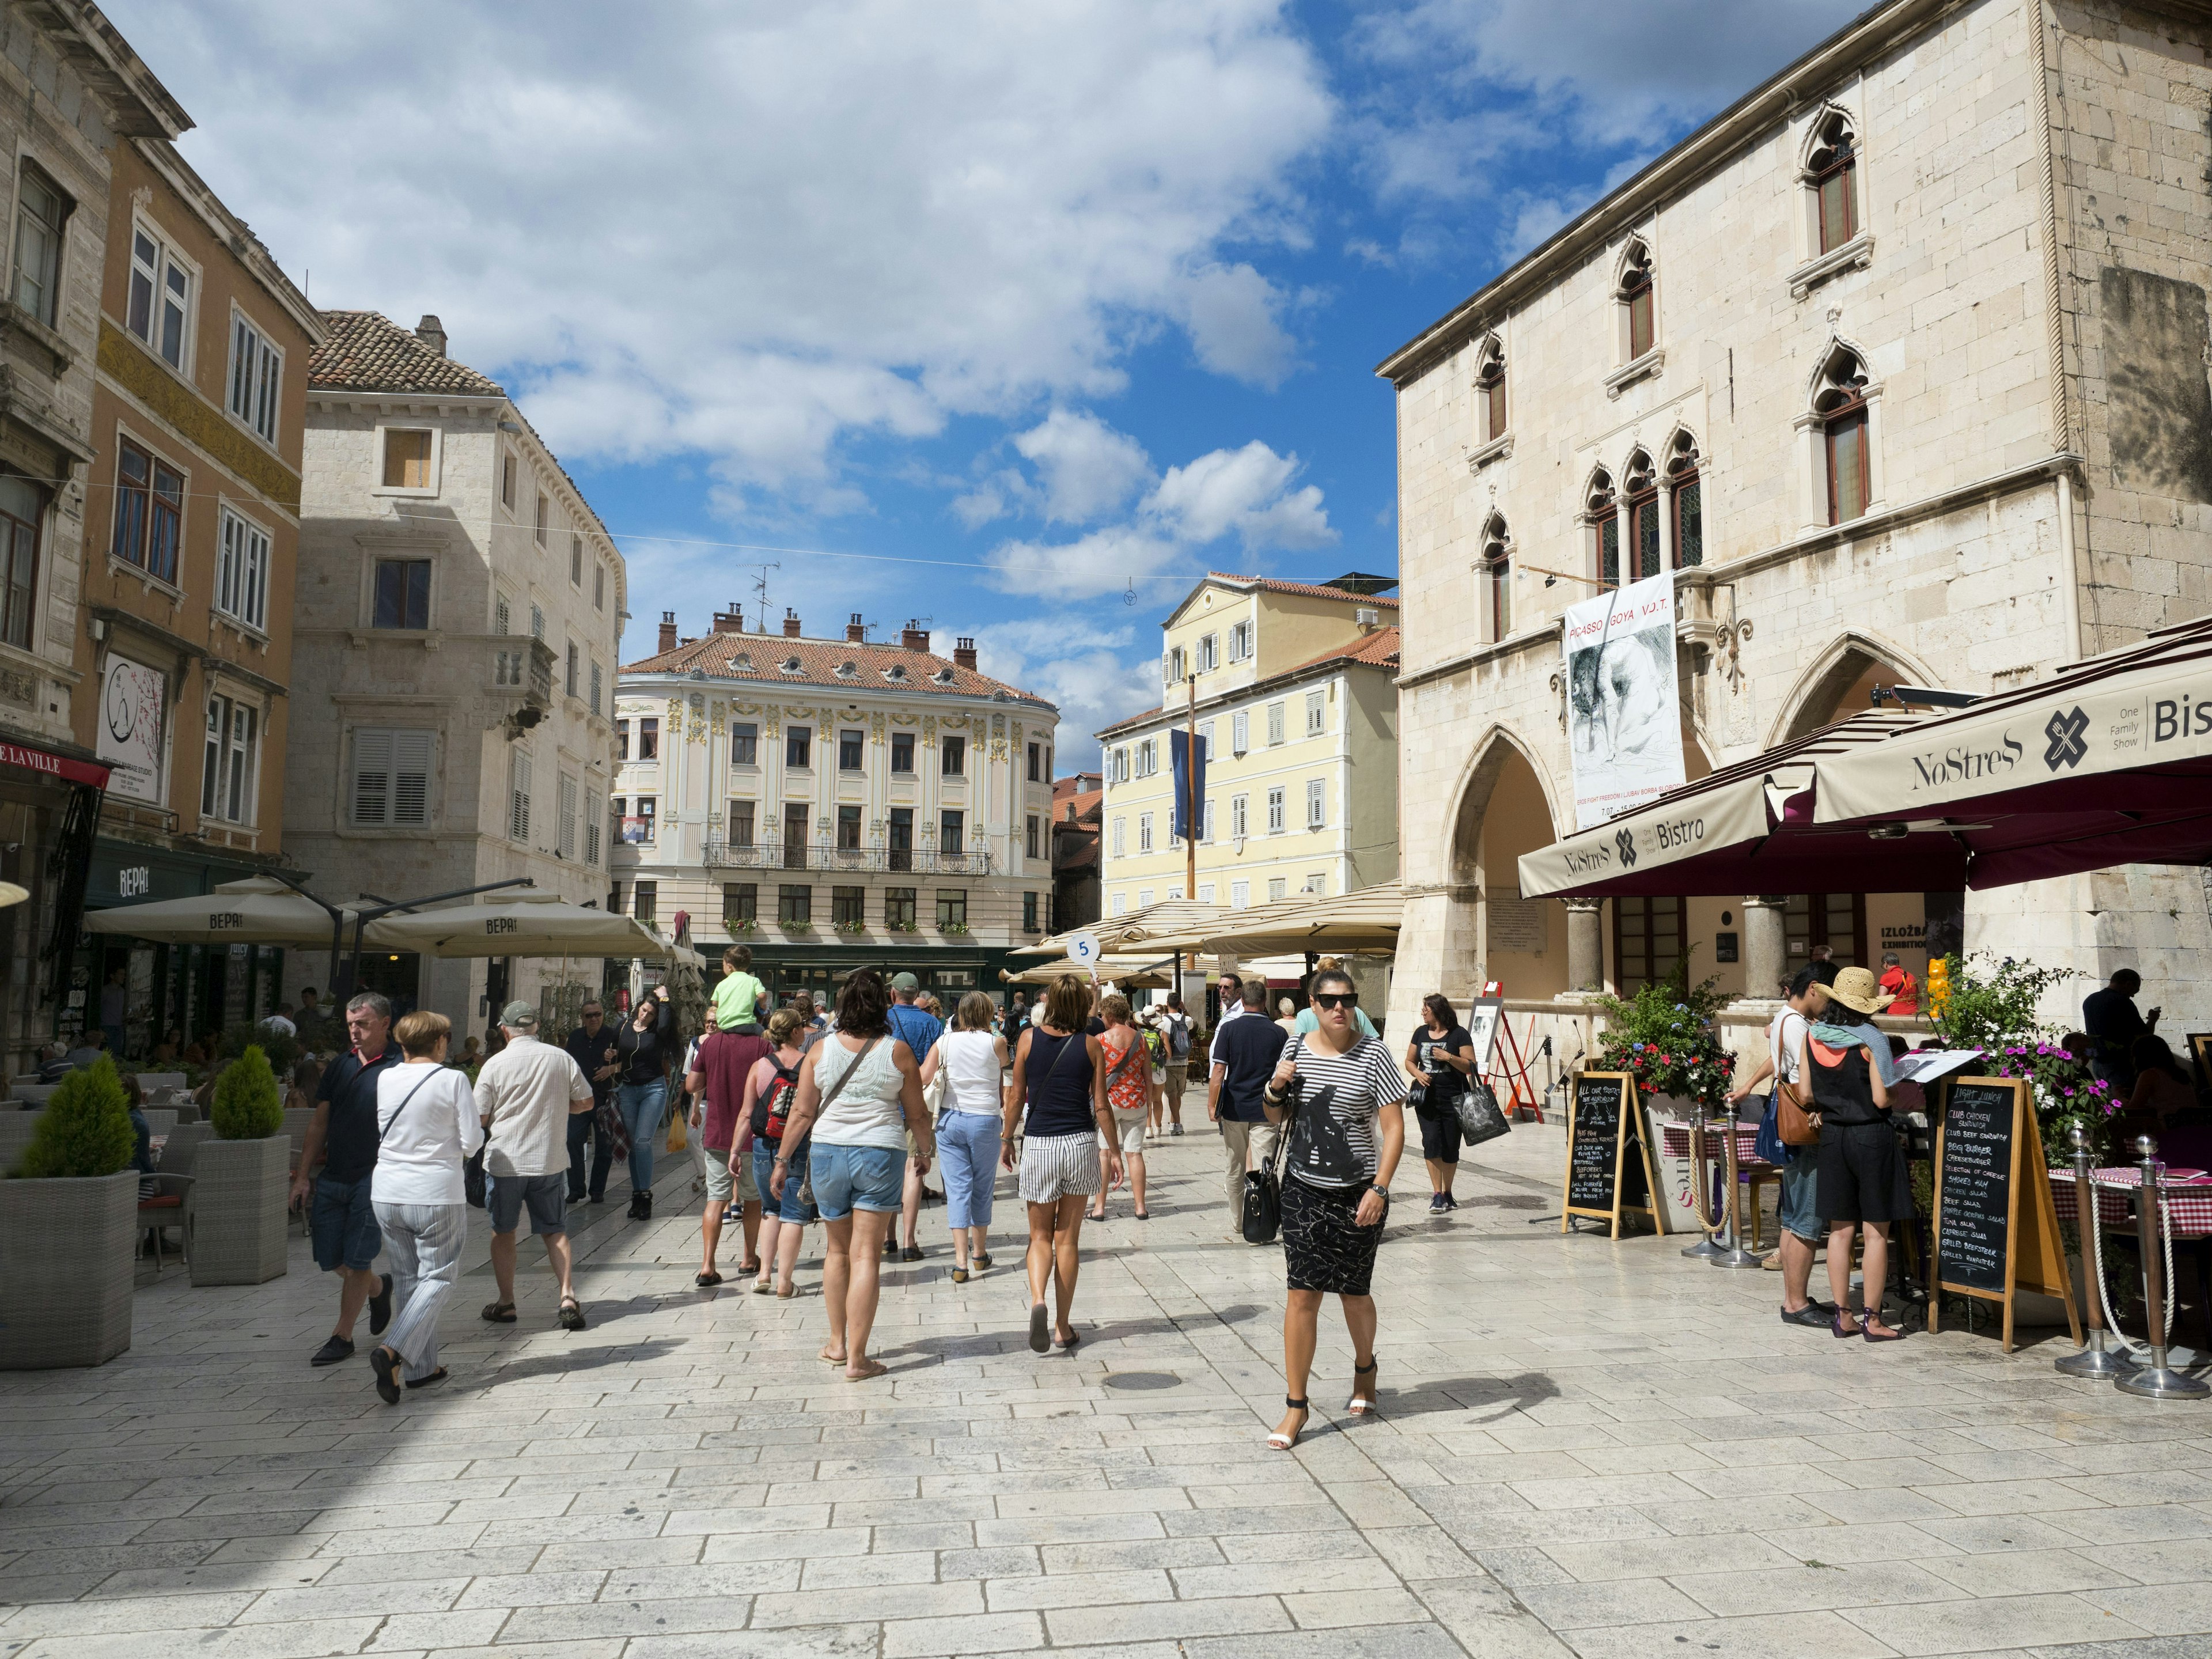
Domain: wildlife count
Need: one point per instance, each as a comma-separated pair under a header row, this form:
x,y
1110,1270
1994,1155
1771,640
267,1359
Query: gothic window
x,y
1497,576
1832,175
1600,514
1634,295
1643,489
1489,390
1688,498
1839,406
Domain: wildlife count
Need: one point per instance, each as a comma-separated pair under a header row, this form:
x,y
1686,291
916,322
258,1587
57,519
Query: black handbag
x,y
1481,1118
472,1179
1263,1204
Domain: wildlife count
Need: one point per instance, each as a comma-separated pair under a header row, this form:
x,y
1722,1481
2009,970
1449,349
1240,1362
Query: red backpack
x,y
779,1104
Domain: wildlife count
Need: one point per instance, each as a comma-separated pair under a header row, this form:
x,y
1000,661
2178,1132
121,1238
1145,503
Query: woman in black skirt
x,y
1342,1096
1863,1180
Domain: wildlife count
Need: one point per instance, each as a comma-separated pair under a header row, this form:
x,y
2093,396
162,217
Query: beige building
x,y
458,613
1291,689
1899,367
832,803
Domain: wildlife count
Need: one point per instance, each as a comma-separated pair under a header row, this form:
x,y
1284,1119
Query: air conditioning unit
x,y
1368,618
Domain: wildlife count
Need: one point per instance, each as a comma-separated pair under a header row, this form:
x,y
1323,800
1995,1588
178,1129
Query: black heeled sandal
x,y
1361,1405
1280,1442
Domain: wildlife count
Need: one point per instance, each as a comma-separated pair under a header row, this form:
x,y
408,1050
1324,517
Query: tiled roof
x,y
719,655
1074,809
1310,590
367,351
1377,650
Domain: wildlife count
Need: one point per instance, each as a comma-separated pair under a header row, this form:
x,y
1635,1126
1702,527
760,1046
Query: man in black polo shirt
x,y
592,1046
1245,1049
342,1138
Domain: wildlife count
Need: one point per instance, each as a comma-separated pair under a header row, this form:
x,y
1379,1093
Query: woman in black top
x,y
1863,1180
1440,1058
645,1048
1060,1074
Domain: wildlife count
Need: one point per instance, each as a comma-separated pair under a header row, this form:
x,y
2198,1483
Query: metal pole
x,y
1732,1254
1190,810
2096,1360
2155,1381
1701,1175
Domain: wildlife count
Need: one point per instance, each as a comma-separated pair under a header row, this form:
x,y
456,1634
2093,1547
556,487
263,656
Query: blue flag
x,y
1188,791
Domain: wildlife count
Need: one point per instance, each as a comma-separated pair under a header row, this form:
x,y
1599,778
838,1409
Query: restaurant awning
x,y
1140,925
521,921
2107,762
259,910
1362,922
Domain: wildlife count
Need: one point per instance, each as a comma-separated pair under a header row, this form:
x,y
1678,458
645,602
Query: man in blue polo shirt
x,y
919,1029
342,1139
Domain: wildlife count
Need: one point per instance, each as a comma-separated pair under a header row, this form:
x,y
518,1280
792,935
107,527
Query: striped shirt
x,y
1332,1105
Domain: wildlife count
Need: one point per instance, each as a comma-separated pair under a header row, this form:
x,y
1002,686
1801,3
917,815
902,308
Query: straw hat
x,y
1855,988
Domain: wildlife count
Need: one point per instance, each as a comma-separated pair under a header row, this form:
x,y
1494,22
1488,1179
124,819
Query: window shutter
x,y
502,615
593,813
518,814
371,777
410,777
568,817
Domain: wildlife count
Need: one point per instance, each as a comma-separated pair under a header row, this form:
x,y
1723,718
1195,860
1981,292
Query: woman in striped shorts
x,y
1059,1073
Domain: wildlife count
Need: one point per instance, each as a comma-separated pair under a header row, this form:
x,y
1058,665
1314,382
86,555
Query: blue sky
x,y
1037,303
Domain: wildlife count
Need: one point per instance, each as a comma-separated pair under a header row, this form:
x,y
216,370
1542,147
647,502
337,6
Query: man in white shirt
x,y
281,1021
1231,987
526,1095
1796,1207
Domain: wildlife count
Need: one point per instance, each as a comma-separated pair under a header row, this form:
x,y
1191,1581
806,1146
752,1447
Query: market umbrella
x,y
1136,927
1137,972
259,910
519,922
1363,922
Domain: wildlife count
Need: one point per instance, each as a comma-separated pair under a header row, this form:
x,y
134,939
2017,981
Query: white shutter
x,y
518,812
410,777
568,817
594,812
371,777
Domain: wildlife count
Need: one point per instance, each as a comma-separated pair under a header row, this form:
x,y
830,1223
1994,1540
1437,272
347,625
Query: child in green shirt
x,y
738,995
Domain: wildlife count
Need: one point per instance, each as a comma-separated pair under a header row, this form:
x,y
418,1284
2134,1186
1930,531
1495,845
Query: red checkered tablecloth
x,y
2188,1194
1675,1142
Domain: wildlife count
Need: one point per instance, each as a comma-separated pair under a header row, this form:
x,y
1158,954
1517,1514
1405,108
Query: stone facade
x,y
2025,180
456,629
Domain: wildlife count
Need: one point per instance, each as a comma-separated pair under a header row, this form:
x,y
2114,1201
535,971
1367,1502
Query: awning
x,y
1166,916
519,922
259,910
1145,972
1362,922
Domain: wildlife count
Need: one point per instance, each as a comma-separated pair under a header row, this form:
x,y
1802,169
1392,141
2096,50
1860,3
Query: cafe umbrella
x,y
259,910
522,921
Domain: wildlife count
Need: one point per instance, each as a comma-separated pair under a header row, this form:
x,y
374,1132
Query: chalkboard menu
x,y
1974,1206
1609,1165
1997,1229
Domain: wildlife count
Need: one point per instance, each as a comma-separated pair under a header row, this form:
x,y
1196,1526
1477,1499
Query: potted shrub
x,y
69,1230
240,1179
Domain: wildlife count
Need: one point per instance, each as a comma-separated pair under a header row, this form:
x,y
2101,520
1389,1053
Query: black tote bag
x,y
1263,1204
1479,1116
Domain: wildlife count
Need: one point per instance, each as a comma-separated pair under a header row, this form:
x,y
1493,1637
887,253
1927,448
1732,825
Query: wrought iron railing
x,y
857,860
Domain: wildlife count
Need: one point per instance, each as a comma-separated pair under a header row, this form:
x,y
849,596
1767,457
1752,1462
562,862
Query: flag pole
x,y
1190,818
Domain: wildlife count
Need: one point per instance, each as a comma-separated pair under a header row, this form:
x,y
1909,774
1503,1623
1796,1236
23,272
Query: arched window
x,y
1642,490
1840,408
1599,513
1688,499
1497,576
1832,169
1489,390
1635,296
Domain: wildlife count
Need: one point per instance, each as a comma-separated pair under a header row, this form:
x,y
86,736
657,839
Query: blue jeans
x,y
584,1126
642,1105
967,1151
1797,1210
849,1178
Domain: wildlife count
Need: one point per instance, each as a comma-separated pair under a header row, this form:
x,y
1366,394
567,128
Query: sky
x,y
1012,316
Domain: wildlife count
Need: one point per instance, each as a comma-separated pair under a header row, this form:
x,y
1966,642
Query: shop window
x,y
1647,941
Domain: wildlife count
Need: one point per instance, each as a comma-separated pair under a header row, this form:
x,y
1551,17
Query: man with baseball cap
x,y
919,1029
526,1093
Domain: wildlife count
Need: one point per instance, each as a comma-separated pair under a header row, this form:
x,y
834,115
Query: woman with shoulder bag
x,y
1794,1147
1059,1077
1439,1059
1129,1097
1863,1182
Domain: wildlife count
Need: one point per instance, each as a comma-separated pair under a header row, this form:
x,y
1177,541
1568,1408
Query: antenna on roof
x,y
760,591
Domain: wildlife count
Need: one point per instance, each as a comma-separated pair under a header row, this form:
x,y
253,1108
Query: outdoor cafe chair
x,y
169,1206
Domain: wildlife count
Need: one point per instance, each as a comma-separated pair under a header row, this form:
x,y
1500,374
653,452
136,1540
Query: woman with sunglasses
x,y
1342,1096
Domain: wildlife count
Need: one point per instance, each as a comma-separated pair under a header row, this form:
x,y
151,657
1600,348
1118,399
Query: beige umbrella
x,y
11,894
1364,922
519,922
259,911
1139,926
1136,971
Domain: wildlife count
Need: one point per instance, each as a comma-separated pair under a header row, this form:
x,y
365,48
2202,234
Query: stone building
x,y
457,624
1290,688
835,803
1077,801
1898,367
199,406
73,89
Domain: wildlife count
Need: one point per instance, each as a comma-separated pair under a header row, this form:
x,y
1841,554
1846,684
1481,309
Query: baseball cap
x,y
905,982
519,1014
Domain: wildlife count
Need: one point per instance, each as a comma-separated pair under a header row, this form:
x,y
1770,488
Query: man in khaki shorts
x,y
717,1078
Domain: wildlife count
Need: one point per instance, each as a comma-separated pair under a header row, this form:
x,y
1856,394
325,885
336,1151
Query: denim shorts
x,y
789,1207
849,1178
343,1223
1798,1208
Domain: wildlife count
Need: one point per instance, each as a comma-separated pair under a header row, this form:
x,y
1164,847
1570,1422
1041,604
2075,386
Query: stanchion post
x,y
1701,1176
2096,1360
2155,1381
1733,1254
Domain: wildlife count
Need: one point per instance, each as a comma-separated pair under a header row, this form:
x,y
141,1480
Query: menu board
x,y
1997,1229
1973,1208
1608,1164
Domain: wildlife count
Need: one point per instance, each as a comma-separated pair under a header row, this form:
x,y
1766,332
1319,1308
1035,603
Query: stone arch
x,y
1823,382
1829,688
1822,129
1504,805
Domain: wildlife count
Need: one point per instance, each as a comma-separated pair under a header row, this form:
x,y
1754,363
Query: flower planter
x,y
237,1218
66,1266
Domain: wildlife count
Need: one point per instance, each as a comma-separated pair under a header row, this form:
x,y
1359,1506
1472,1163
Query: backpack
x,y
779,1104
1178,1036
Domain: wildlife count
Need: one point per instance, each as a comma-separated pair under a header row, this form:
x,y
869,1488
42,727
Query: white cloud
x,y
1086,468
1109,560
749,234
1245,490
1084,672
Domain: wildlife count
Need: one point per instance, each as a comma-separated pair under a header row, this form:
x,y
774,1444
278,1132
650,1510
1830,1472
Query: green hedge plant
x,y
282,1052
86,1130
247,1103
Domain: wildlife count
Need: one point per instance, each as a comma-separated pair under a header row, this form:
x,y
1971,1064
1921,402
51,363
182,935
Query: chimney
x,y
668,630
856,631
432,333
731,621
913,637
790,623
963,654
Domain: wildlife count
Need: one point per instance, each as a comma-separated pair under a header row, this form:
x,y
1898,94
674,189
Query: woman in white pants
x,y
427,1126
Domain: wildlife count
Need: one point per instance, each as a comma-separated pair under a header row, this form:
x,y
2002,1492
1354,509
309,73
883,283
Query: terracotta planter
x,y
66,1265
237,1209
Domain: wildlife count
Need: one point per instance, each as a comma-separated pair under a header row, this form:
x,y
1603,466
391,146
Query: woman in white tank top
x,y
973,1057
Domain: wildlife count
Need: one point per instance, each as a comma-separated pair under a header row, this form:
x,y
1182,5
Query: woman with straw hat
x,y
1862,1179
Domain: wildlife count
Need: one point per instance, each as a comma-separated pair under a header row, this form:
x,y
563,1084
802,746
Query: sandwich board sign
x,y
1997,1229
1609,1171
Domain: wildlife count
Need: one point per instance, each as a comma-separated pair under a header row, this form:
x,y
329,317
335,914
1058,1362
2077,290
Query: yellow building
x,y
1293,690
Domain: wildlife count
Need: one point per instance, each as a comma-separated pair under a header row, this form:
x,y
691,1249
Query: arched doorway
x,y
1504,811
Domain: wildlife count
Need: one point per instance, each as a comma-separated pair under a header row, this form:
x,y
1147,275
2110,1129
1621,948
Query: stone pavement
x,y
1585,1447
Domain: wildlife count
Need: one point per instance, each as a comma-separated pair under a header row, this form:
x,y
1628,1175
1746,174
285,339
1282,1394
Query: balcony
x,y
856,861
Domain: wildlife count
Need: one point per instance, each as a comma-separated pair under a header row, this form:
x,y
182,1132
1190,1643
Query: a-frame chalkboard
x,y
1995,1227
1609,1171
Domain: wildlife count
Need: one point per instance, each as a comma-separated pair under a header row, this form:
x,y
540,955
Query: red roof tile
x,y
1311,589
367,351
759,657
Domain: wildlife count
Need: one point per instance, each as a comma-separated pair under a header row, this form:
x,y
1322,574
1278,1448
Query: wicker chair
x,y
159,1120
169,1206
183,1147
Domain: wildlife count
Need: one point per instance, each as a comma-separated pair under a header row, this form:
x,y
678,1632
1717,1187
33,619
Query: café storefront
x,y
50,798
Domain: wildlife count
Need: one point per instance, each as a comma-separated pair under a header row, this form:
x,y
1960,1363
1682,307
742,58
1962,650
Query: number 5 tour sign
x,y
1609,1171
1997,1229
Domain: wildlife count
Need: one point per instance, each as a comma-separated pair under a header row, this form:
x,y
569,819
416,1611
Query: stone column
x,y
1585,950
1765,952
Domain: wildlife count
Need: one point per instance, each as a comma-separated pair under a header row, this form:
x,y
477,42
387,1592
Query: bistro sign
x,y
1659,835
52,765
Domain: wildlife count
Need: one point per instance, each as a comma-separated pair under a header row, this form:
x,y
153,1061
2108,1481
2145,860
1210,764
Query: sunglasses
x,y
1336,999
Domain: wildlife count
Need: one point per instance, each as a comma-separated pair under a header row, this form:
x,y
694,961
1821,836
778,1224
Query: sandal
x,y
1074,1336
1280,1441
960,1275
1040,1317
761,1287
706,1281
981,1263
1836,1327
744,1267
499,1313
1867,1330
436,1376
1362,1403
572,1313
